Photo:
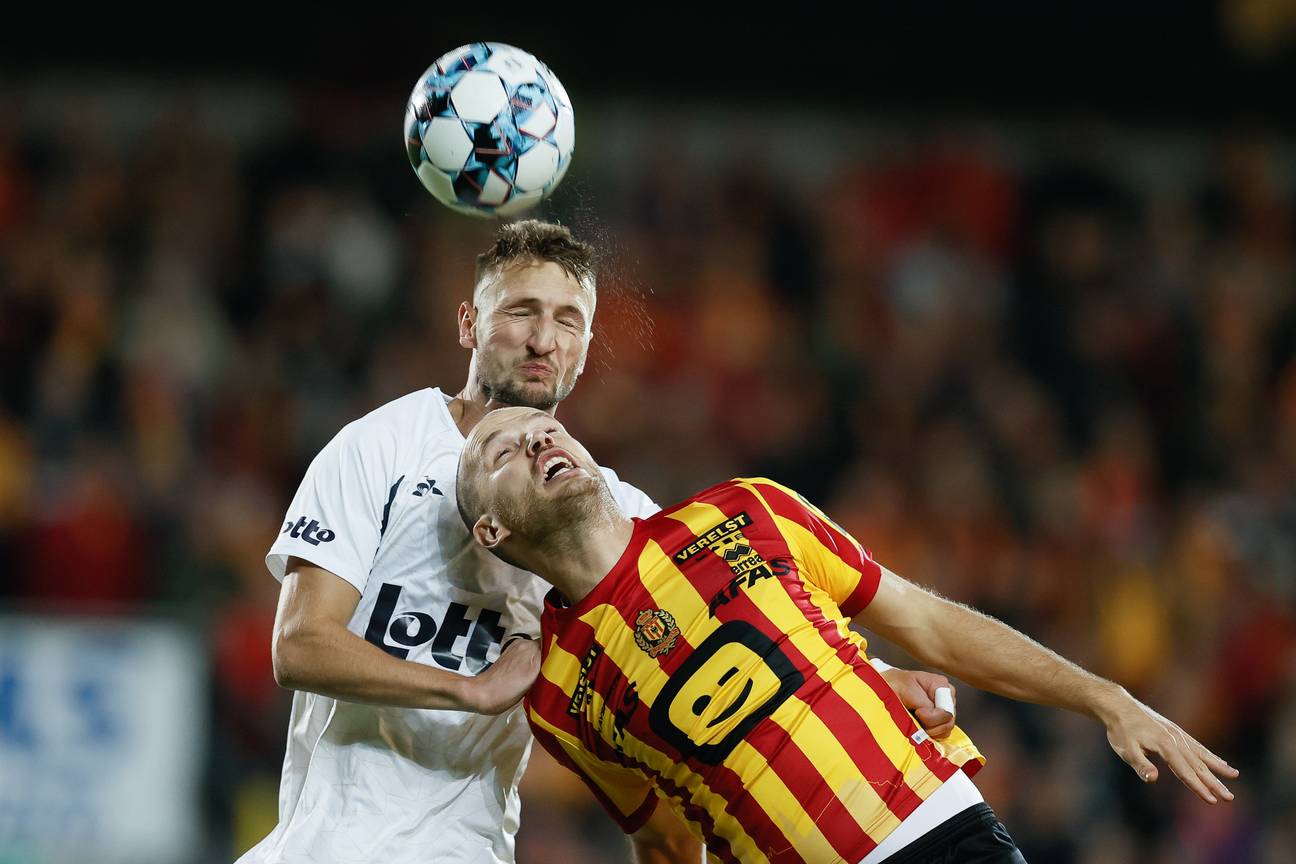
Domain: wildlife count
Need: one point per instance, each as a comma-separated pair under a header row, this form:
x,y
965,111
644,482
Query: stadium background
x,y
1011,297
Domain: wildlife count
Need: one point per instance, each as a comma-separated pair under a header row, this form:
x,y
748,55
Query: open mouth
x,y
556,465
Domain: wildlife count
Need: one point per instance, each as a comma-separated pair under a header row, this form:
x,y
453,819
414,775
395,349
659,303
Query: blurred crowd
x,y
1018,364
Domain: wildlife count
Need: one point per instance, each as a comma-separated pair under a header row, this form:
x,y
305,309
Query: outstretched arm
x,y
992,656
313,650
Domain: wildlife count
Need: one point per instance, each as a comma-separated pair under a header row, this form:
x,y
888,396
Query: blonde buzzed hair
x,y
533,240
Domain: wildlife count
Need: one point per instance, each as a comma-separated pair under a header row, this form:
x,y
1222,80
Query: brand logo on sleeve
x,y
312,532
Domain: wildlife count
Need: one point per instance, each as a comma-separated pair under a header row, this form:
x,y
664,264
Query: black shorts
x,y
974,836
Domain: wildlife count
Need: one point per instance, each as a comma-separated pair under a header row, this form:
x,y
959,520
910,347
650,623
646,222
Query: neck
x,y
471,403
577,557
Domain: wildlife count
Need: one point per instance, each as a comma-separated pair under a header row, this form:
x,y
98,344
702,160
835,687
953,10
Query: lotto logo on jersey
x,y
312,532
399,631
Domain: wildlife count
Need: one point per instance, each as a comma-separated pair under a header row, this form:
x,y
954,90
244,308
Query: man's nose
x,y
544,336
537,441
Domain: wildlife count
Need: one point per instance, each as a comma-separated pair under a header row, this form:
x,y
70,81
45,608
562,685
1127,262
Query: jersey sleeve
x,y
340,511
627,796
631,500
829,556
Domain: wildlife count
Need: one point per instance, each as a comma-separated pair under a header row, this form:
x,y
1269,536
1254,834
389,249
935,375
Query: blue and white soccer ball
x,y
489,130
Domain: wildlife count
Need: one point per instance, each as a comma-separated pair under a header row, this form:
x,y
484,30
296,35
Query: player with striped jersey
x,y
702,656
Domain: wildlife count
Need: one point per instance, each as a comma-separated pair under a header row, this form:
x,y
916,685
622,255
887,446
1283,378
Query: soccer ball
x,y
489,130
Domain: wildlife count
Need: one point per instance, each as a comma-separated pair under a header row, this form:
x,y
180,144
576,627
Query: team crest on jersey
x,y
655,632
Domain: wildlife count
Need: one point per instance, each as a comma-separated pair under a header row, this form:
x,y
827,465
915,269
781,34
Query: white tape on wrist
x,y
880,665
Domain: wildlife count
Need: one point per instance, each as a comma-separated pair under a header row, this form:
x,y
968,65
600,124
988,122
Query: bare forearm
x,y
313,650
992,656
335,662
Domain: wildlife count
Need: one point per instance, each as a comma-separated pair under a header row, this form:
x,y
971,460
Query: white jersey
x,y
363,783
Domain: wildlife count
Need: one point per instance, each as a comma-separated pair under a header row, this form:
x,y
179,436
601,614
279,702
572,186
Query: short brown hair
x,y
534,240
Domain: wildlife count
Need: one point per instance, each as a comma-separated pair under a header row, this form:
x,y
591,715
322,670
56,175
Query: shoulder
x,y
739,488
743,492
612,478
426,407
787,502
415,415
632,500
765,484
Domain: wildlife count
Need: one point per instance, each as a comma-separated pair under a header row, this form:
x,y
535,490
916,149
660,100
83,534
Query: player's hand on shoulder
x,y
1134,730
508,679
917,691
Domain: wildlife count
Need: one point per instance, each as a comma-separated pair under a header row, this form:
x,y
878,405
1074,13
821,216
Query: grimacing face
x,y
526,477
530,330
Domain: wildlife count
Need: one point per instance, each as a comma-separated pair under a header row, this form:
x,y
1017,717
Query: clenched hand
x,y
917,692
507,680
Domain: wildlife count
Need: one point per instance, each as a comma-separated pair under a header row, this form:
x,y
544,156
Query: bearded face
x,y
530,332
533,514
503,380
523,471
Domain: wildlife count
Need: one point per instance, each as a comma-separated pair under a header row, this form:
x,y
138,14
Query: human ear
x,y
467,325
488,532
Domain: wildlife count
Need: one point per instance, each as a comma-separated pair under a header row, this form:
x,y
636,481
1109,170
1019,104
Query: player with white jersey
x,y
423,780
406,742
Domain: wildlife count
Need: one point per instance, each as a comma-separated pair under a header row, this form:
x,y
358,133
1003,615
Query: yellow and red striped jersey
x,y
713,667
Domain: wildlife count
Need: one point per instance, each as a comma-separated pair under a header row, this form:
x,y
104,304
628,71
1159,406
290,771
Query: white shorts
x,y
953,797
